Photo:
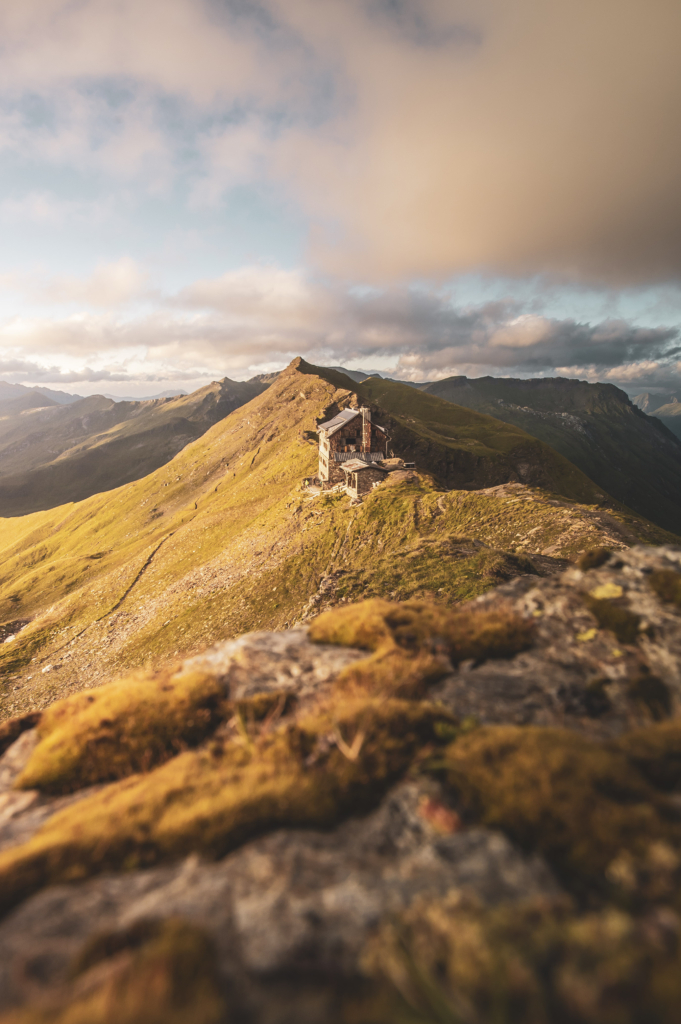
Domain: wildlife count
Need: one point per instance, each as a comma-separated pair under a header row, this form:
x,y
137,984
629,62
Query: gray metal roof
x,y
331,426
356,466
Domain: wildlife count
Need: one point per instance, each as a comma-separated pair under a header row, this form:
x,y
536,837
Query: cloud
x,y
545,144
109,285
421,139
257,317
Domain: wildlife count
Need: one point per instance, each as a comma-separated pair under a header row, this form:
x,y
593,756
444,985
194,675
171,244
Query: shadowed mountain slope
x,y
223,540
670,415
462,447
629,454
51,454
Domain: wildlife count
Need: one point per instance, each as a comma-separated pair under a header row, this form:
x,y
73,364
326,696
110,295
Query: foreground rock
x,y
468,815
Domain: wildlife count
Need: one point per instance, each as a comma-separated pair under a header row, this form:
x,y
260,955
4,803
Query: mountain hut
x,y
351,435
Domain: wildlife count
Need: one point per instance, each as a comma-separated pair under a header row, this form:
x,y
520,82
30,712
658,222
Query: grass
x,y
222,540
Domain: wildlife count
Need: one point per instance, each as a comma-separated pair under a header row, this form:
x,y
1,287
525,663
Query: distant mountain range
x,y
54,453
631,455
665,407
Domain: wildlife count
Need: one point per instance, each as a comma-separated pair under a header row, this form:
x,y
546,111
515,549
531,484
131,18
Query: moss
x,y
452,961
577,802
12,728
123,727
656,752
415,643
653,693
593,558
153,973
615,617
337,760
596,700
667,585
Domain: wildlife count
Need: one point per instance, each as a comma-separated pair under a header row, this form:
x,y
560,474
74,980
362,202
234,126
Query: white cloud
x,y
110,285
263,316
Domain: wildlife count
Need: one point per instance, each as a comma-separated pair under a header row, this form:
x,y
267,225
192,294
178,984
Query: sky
x,y
193,189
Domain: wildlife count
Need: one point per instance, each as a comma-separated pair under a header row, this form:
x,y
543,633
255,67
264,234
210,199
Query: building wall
x,y
350,438
363,481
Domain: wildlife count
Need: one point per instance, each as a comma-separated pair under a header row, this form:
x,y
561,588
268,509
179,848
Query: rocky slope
x,y
632,456
53,453
402,812
224,539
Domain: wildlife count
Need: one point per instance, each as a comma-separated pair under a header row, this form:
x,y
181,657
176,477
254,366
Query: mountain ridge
x,y
632,456
223,539
53,453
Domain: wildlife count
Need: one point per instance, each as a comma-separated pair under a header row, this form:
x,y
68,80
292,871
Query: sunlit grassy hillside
x,y
223,540
59,453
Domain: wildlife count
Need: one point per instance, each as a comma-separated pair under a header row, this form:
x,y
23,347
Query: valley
x,y
635,457
52,453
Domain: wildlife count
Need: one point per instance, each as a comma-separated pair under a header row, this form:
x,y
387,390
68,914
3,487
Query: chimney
x,y
366,428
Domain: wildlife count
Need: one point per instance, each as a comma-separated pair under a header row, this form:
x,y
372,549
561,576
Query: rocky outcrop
x,y
494,805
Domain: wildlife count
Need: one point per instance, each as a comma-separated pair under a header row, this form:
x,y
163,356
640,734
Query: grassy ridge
x,y
630,455
223,540
462,447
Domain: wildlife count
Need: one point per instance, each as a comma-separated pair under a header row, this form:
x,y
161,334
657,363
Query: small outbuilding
x,y
362,477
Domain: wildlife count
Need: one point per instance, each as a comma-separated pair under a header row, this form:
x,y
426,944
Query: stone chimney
x,y
366,428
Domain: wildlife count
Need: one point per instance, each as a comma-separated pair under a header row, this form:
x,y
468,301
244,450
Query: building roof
x,y
356,466
331,426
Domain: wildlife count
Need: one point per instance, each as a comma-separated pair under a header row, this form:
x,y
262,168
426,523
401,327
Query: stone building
x,y
349,435
360,477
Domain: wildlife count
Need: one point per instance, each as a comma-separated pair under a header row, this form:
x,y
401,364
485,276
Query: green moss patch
x,y
615,617
593,558
123,727
152,973
336,761
413,643
451,961
578,802
667,585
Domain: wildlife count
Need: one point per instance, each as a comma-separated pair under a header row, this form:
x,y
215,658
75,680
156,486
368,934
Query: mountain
x,y
60,397
357,375
224,539
670,415
144,398
632,456
14,397
649,403
51,454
